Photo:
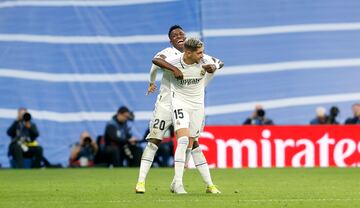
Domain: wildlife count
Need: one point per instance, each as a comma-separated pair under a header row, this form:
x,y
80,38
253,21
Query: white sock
x,y
146,160
201,165
187,156
179,158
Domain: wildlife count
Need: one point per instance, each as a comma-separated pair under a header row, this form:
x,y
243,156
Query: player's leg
x,y
197,154
157,127
181,125
179,160
145,164
195,133
187,158
188,151
203,168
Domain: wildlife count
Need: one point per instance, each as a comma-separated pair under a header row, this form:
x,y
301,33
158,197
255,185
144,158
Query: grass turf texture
x,y
328,187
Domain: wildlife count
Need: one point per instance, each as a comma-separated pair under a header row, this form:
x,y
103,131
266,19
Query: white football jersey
x,y
164,94
188,92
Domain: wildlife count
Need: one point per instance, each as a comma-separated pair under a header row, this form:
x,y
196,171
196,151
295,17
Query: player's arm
x,y
153,73
211,65
161,62
219,64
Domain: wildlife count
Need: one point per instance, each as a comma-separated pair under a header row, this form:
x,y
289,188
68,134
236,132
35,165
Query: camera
x,y
131,116
334,111
260,113
87,140
26,116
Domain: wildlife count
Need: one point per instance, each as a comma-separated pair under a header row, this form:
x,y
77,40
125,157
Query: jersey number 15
x,y
179,113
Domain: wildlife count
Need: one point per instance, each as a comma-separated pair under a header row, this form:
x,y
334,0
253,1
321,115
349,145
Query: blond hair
x,y
193,43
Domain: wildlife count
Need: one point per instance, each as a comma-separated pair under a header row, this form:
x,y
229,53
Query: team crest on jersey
x,y
202,72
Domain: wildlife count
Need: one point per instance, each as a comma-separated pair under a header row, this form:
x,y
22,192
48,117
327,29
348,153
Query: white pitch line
x,y
212,199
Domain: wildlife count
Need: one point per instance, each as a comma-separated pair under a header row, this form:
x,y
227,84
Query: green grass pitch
x,y
51,188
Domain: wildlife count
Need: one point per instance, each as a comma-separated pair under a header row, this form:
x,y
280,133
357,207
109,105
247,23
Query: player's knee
x,y
155,141
182,132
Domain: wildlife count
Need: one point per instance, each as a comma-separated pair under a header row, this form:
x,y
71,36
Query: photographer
x,y
355,119
83,153
334,112
23,133
258,117
120,145
322,118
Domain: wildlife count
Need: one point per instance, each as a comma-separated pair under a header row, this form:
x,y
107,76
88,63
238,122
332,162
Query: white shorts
x,y
192,119
160,122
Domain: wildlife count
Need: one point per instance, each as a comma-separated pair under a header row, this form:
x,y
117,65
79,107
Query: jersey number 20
x,y
159,124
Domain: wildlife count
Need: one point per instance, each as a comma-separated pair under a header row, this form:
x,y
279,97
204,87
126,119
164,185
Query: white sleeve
x,y
153,73
154,68
164,52
211,60
208,78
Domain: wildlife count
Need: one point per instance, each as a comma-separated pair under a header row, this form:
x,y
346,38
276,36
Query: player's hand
x,y
151,88
209,68
132,140
178,74
221,64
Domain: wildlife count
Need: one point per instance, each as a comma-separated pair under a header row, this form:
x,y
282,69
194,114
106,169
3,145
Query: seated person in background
x,y
83,153
258,117
23,133
356,115
120,145
321,117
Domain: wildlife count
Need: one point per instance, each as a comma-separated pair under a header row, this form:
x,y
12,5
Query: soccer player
x,y
162,113
187,100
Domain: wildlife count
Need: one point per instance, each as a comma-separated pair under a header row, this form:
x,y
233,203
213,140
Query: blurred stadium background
x,y
73,63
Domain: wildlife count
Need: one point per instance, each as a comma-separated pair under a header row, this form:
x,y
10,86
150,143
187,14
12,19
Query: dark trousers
x,y
135,158
116,155
164,154
18,155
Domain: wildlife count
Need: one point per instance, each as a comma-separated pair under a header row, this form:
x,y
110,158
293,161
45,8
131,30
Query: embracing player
x,y
187,101
162,117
